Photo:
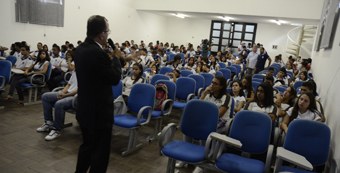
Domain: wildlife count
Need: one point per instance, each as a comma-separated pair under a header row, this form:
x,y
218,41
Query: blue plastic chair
x,y
141,101
252,131
170,57
12,59
199,83
298,85
218,73
186,73
165,70
281,89
307,144
185,91
166,107
5,73
207,79
226,73
222,65
117,90
157,77
31,86
255,85
258,76
199,119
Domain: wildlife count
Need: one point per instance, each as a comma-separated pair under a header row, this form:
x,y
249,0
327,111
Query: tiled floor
x,y
25,150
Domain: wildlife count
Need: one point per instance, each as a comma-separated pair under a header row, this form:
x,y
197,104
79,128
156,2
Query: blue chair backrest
x,y
226,73
141,95
117,90
218,73
171,88
281,89
12,58
199,119
184,87
157,77
185,73
170,57
182,56
298,84
5,69
253,129
207,79
257,80
199,81
238,68
232,69
258,76
222,65
165,70
310,139
290,74
255,85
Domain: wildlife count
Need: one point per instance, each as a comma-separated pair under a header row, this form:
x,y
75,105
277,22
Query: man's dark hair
x,y
95,25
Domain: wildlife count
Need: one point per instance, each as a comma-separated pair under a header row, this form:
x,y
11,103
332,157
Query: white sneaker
x,y
44,128
180,164
52,135
197,170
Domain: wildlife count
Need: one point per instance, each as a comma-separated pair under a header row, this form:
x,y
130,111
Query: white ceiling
x,y
238,18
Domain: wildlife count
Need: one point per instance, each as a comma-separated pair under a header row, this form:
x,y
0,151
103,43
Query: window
x,y
231,33
41,12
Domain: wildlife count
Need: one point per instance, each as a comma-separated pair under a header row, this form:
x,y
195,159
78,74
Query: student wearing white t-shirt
x,y
264,101
60,101
39,67
129,81
304,108
238,96
216,93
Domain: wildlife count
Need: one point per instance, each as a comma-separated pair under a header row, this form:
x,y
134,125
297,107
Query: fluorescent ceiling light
x,y
279,22
226,18
180,15
296,24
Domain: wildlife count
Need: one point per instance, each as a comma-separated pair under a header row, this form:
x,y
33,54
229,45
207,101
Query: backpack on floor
x,y
161,95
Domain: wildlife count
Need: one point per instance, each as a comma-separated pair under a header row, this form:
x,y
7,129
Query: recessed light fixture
x,y
226,18
278,22
296,24
180,15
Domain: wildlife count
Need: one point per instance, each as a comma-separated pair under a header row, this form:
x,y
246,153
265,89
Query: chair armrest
x,y
269,158
190,96
35,76
57,89
291,157
75,101
3,81
140,114
166,102
167,134
226,139
199,93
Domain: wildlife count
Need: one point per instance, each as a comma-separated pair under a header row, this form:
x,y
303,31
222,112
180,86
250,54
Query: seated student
x,y
264,101
61,101
206,69
281,77
191,64
174,75
285,101
304,108
270,72
199,67
216,93
151,73
310,87
39,67
135,77
302,76
214,66
238,95
175,63
248,88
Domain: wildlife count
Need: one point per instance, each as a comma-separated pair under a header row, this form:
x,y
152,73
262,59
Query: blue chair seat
x,y
290,169
180,105
236,163
127,121
184,151
26,85
156,114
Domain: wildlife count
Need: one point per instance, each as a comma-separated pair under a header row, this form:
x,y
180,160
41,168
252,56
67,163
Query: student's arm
x,y
44,70
239,106
284,123
270,61
251,98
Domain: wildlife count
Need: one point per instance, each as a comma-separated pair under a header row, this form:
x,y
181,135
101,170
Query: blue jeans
x,y
50,100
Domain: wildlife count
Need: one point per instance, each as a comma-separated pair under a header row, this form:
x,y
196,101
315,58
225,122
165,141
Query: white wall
x,y
304,9
326,69
125,23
